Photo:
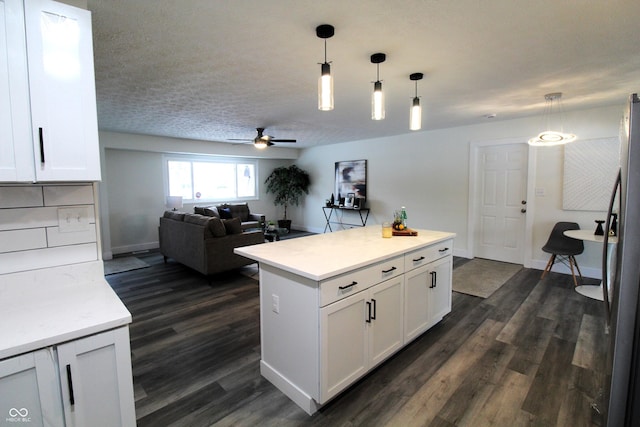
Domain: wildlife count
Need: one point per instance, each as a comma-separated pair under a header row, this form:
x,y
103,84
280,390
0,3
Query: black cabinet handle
x,y
41,136
373,316
433,279
389,270
342,288
368,312
443,250
72,399
418,259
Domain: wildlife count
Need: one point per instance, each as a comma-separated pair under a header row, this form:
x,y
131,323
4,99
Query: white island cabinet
x,y
333,306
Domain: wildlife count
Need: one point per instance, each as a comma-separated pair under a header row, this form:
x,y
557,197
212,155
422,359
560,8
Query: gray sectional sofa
x,y
205,243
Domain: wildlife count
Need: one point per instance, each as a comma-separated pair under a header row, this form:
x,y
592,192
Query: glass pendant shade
x,y
325,82
377,102
415,115
325,88
260,144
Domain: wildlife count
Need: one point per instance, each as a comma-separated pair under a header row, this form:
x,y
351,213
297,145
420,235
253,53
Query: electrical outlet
x,y
73,219
275,303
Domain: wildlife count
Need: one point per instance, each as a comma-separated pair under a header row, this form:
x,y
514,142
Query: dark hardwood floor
x,y
527,355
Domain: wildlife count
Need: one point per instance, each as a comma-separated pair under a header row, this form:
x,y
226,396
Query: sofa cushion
x,y
225,213
217,227
199,210
233,225
178,216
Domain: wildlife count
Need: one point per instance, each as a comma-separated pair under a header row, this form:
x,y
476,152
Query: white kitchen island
x,y
333,306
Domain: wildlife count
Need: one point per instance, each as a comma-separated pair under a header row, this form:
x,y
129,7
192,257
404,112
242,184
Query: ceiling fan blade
x,y
238,139
283,140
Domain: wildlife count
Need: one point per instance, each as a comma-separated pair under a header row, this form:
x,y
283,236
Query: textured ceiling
x,y
217,69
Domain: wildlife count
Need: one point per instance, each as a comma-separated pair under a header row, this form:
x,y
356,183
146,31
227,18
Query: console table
x,y
332,209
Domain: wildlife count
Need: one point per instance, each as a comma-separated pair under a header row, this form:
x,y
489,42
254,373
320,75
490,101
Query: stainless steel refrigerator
x,y
621,300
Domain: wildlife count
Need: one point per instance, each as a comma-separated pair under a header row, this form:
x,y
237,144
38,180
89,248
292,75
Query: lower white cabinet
x,y
427,296
85,382
358,332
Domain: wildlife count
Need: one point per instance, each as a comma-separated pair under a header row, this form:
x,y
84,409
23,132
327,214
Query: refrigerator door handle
x,y
605,249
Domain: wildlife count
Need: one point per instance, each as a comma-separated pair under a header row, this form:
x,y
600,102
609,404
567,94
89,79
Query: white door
x,y
501,182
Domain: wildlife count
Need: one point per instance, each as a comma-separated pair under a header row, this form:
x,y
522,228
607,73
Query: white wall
x,y
428,172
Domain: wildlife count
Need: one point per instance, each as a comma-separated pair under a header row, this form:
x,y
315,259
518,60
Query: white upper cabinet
x,y
16,148
63,129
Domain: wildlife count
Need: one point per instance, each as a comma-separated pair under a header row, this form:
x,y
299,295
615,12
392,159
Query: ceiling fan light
x,y
325,88
260,143
415,116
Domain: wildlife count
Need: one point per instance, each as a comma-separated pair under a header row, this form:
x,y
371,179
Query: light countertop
x,y
321,256
45,307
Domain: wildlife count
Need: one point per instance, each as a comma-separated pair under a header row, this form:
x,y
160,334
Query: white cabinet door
x,y
16,149
387,315
343,345
416,308
30,390
64,123
97,385
440,292
358,332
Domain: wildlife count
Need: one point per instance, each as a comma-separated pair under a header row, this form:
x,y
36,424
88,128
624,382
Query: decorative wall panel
x,y
590,169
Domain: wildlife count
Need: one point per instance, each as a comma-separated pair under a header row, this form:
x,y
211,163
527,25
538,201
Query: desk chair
x,y
563,248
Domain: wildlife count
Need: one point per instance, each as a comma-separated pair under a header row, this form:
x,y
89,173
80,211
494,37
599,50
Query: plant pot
x,y
285,223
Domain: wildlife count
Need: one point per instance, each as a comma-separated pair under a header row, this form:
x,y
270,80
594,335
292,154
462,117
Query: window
x,y
211,179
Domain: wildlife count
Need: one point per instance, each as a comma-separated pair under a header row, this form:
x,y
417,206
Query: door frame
x,y
474,148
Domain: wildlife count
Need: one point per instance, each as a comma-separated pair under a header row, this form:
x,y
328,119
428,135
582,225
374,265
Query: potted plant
x,y
288,184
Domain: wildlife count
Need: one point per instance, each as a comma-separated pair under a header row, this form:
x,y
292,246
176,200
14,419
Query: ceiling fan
x,y
263,141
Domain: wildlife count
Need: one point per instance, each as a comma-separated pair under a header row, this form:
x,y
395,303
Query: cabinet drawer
x,y
342,286
426,255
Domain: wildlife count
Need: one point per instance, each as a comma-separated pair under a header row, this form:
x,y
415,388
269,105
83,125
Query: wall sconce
x,y
415,114
377,99
550,137
174,202
325,82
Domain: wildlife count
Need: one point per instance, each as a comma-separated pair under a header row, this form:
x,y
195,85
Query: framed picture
x,y
349,200
351,179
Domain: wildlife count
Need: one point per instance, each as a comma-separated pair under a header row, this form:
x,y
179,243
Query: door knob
x,y
523,210
524,202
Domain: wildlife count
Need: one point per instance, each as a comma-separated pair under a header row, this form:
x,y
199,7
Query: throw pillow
x,y
178,216
225,213
211,211
217,227
233,225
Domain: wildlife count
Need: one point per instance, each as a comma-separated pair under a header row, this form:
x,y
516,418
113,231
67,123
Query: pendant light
x,y
325,82
551,137
377,99
415,114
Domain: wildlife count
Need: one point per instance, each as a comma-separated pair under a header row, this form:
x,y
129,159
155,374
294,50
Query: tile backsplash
x,y
45,226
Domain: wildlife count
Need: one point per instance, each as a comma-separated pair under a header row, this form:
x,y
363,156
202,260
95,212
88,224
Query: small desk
x,y
363,219
594,291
